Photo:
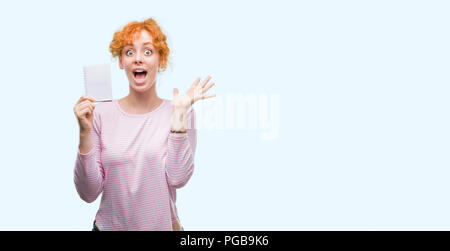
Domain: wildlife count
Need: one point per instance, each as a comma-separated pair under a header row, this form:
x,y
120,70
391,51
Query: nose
x,y
138,58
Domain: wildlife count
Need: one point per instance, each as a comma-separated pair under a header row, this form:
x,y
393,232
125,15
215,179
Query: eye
x,y
129,52
148,52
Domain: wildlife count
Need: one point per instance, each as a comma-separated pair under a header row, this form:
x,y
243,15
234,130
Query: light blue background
x,y
364,127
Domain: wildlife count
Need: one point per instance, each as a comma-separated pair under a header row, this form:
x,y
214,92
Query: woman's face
x,y
140,62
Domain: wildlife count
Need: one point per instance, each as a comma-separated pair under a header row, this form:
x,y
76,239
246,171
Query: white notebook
x,y
97,82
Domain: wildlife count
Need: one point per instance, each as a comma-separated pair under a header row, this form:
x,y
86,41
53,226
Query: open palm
x,y
195,93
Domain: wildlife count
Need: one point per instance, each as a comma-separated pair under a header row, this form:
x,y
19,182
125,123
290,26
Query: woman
x,y
139,149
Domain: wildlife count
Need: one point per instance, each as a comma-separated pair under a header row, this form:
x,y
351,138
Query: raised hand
x,y
195,93
182,102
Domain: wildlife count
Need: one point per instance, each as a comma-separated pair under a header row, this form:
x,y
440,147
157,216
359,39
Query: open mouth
x,y
140,74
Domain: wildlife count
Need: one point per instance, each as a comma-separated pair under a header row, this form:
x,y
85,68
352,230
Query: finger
x,y
196,82
83,112
205,81
84,104
90,106
175,92
209,96
208,87
86,98
87,102
79,107
198,95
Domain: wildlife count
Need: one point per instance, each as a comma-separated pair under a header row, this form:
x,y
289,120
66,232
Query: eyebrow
x,y
131,46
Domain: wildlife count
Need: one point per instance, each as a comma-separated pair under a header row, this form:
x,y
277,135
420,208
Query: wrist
x,y
178,131
179,120
181,109
85,133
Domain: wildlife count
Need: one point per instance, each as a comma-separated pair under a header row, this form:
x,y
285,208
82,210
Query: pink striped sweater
x,y
138,165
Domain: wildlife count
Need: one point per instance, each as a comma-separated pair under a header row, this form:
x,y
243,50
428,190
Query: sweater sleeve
x,y
180,154
89,175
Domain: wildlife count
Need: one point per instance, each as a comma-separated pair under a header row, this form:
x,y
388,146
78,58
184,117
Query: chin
x,y
142,87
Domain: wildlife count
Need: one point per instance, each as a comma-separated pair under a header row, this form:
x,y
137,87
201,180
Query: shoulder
x,y
104,111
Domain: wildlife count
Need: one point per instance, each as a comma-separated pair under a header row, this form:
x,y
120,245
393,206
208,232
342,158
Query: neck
x,y
143,102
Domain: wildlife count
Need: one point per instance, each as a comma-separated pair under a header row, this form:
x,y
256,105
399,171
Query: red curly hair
x,y
127,34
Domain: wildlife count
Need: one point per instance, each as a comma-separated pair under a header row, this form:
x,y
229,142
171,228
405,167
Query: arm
x,y
180,154
182,143
88,173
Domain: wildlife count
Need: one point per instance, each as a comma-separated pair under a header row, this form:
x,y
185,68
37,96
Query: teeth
x,y
139,71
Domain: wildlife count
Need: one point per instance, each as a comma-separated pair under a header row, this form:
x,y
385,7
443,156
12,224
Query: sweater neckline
x,y
117,105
